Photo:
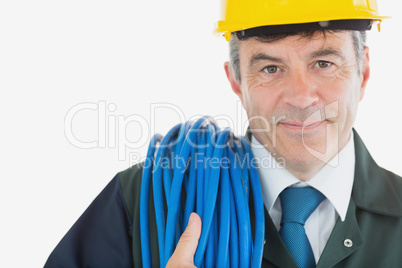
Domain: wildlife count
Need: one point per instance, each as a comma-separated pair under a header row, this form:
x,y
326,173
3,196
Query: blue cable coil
x,y
199,168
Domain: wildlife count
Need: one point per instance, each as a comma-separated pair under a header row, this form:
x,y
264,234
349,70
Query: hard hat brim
x,y
353,24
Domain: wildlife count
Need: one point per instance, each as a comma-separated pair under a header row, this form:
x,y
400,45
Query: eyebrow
x,y
263,57
329,51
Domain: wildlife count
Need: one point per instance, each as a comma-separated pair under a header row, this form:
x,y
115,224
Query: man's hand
x,y
183,256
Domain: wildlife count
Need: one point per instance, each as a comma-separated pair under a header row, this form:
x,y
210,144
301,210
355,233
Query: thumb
x,y
183,256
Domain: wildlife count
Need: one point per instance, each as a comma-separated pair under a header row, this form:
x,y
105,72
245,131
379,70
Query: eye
x,y
271,69
322,64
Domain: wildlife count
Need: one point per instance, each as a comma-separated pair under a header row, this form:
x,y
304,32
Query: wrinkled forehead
x,y
306,40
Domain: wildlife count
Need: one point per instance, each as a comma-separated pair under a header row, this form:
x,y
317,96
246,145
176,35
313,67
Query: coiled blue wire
x,y
199,168
144,200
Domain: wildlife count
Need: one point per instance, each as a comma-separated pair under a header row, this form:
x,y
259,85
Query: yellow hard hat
x,y
239,15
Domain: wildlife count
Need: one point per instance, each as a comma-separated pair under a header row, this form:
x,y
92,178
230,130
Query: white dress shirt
x,y
334,180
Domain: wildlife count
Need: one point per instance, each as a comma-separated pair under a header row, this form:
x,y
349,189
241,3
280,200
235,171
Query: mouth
x,y
302,125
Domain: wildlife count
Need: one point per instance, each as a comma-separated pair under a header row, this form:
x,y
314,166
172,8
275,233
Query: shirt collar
x,y
334,180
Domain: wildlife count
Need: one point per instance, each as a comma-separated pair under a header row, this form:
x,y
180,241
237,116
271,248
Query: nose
x,y
301,91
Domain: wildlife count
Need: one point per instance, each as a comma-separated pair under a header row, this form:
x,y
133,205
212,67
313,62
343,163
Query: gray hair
x,y
359,42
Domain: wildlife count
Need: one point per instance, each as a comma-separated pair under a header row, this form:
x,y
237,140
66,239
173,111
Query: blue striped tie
x,y
297,205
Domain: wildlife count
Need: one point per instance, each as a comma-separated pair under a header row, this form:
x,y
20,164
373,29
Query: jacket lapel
x,y
337,247
275,251
368,194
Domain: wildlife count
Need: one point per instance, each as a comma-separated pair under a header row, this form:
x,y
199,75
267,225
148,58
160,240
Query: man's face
x,y
301,96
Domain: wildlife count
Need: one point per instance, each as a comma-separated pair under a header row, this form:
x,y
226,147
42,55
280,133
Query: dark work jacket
x,y
108,233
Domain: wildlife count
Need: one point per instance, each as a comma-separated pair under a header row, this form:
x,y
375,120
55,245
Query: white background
x,y
55,55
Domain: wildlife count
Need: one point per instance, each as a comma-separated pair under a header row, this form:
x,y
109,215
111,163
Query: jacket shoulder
x,y
375,189
394,182
130,181
382,193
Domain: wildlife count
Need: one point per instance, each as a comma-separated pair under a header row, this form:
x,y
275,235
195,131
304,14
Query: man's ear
x,y
365,71
233,83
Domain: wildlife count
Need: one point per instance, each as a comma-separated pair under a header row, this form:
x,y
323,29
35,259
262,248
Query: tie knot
x,y
298,203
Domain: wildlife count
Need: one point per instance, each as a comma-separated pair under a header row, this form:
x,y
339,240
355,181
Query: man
x,y
300,84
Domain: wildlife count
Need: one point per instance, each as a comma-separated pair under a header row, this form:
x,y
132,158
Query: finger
x,y
183,256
